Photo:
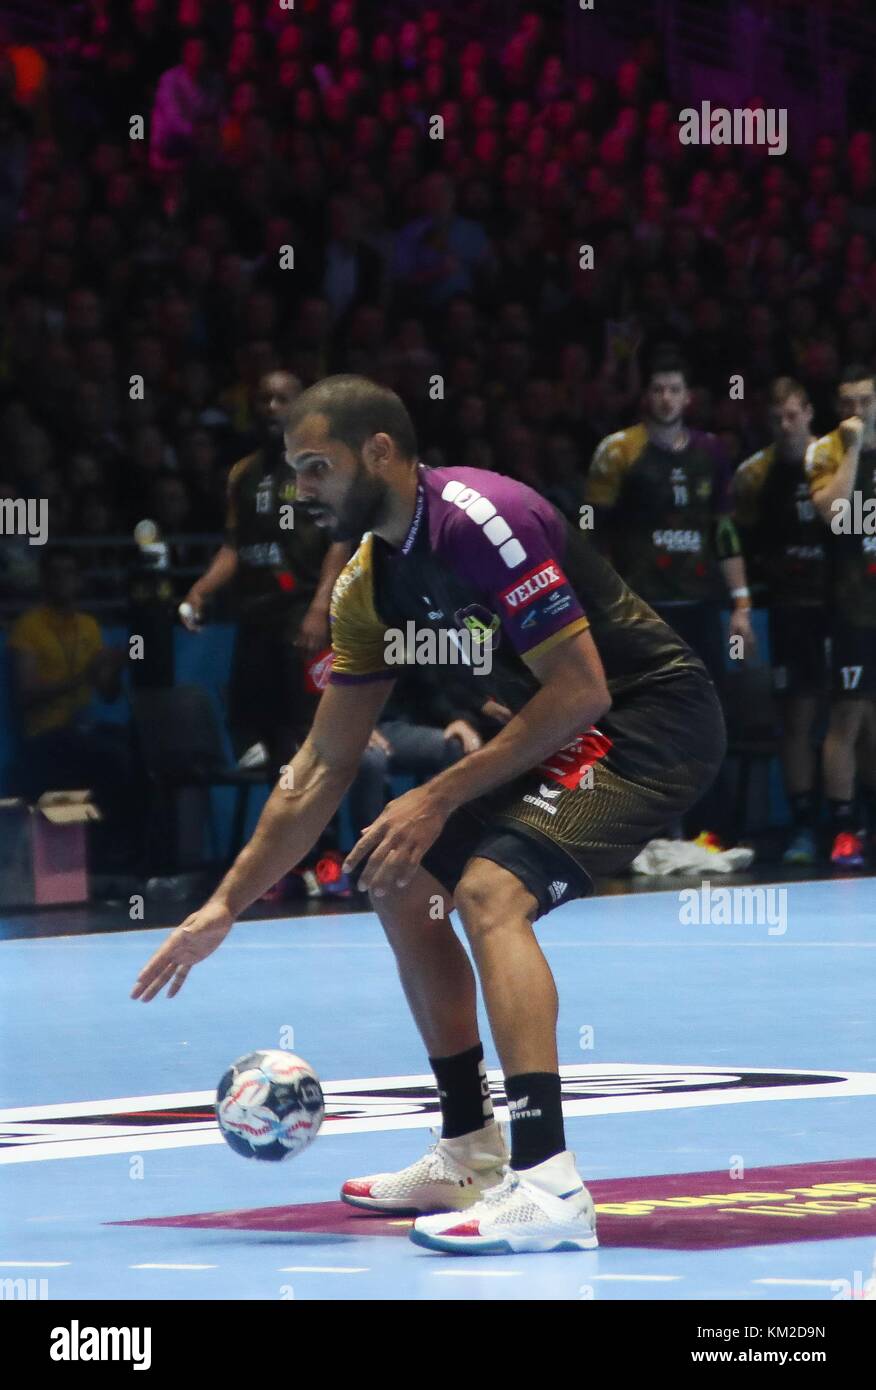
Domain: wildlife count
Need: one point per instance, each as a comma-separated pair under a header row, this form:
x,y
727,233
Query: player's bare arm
x,y
221,571
839,485
573,695
297,812
313,633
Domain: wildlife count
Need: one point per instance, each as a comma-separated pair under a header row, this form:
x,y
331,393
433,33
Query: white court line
x,y
638,1278
173,1266
804,1283
477,1273
34,1264
324,1269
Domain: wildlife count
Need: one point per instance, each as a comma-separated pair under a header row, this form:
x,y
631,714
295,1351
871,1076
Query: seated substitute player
x,y
841,467
784,537
511,830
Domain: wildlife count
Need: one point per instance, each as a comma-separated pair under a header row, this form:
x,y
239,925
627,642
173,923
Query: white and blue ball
x,y
269,1105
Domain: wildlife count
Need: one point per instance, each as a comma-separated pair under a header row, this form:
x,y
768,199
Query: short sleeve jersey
x,y
664,507
851,552
279,563
783,534
488,555
62,648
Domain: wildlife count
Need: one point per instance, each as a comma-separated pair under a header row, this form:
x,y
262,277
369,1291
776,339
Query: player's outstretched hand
x,y
395,843
198,937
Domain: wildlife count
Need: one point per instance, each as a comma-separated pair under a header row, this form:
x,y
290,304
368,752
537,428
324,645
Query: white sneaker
x,y
449,1178
542,1208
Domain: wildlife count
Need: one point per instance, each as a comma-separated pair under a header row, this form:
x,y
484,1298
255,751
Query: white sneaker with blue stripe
x,y
534,1210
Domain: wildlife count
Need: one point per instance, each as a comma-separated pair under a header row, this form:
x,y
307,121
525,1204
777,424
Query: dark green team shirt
x,y
279,566
784,535
663,507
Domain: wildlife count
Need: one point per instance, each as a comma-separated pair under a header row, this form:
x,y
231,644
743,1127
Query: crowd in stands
x,y
166,258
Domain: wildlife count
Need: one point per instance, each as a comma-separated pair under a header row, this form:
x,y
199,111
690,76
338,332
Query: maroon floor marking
x,y
677,1211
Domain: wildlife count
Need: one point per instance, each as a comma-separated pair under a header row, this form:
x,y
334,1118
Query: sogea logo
x,y
539,581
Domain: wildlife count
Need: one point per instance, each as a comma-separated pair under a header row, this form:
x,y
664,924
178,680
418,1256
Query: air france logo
x,y
482,511
539,581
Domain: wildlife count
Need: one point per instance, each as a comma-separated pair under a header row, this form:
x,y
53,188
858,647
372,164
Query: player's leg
x,y
801,682
433,966
542,1203
852,676
866,761
439,985
799,763
587,809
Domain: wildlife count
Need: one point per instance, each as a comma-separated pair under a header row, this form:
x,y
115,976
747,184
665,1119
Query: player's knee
x,y
489,898
406,911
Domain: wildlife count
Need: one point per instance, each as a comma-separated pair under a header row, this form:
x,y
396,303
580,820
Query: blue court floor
x,y
720,1085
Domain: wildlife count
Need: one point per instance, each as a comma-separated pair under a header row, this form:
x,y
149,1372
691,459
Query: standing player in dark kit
x,y
509,831
283,575
784,536
840,466
660,492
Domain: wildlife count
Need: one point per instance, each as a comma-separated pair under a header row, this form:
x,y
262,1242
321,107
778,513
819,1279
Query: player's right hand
x,y
191,612
851,432
198,937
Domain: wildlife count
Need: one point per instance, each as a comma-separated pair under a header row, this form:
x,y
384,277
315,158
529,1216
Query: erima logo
x,y
481,510
519,1109
549,792
75,1343
538,581
541,804
557,889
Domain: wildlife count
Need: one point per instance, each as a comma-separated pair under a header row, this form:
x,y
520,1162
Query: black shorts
x,y
590,808
853,662
268,697
799,649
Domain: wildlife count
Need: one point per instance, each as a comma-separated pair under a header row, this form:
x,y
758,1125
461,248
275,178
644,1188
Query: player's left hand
x,y
740,626
395,843
313,634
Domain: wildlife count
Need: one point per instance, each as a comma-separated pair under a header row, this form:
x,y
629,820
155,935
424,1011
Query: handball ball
x,y
269,1105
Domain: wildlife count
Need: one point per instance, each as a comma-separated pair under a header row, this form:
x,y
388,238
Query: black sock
x,y
463,1091
868,801
842,816
536,1111
803,810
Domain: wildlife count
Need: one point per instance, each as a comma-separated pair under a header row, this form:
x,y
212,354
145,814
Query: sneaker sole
x,y
464,1245
395,1206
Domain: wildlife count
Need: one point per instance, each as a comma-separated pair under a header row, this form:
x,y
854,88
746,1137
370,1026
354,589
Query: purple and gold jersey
x,y
487,554
852,557
664,508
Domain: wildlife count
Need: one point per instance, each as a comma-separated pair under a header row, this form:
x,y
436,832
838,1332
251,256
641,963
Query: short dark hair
x,y
785,388
857,371
668,360
356,409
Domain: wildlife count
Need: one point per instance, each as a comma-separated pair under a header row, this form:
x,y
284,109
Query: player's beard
x,y
362,507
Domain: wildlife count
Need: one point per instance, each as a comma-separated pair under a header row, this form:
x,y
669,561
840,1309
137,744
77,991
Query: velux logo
x,y
538,581
75,1343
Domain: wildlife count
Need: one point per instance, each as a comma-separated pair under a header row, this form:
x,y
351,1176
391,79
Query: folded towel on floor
x,y
685,856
